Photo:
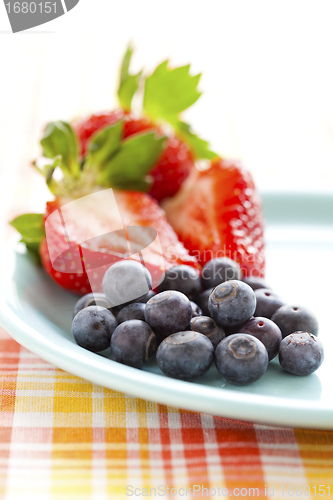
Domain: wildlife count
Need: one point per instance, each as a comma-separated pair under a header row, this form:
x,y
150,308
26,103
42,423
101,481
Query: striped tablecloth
x,y
65,438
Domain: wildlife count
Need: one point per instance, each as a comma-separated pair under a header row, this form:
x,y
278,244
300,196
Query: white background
x,y
267,81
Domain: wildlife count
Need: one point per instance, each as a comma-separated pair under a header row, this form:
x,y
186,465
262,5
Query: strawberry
x,y
68,244
218,213
173,166
166,94
87,127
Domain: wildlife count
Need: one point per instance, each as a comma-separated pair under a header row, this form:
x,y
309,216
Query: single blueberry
x,y
126,281
218,270
208,327
92,328
168,312
133,343
294,318
91,299
232,303
241,359
185,355
132,311
182,278
202,301
196,311
256,283
301,353
266,331
267,302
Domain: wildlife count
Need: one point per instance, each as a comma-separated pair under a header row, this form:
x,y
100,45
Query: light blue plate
x,y
299,237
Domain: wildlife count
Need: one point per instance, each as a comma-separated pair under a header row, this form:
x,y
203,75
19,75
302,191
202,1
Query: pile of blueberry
x,y
193,320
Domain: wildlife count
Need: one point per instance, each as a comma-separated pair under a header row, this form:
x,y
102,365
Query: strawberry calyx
x,y
128,84
111,160
165,98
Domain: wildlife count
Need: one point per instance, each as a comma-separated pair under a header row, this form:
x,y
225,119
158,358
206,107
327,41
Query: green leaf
x,y
60,140
199,146
128,84
168,92
31,227
103,146
135,158
142,185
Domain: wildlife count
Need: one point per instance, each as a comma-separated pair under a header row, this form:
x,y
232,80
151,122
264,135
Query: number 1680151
x,y
31,7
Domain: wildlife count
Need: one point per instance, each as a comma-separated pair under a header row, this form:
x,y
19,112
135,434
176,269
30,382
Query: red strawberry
x,y
71,239
166,94
218,213
136,125
87,127
173,166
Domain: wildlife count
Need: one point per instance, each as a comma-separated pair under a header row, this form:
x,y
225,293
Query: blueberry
x,y
132,311
126,281
185,355
293,318
146,297
168,312
218,270
267,302
91,299
196,311
301,353
241,358
265,330
232,303
208,327
256,283
133,343
182,278
92,328
202,301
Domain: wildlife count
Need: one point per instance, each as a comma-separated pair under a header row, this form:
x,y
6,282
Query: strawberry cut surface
x,y
82,243
218,213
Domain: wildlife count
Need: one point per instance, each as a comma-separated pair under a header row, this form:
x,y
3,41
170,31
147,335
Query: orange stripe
x,y
316,450
241,462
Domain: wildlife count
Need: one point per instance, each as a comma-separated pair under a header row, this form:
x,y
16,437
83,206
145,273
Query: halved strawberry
x,y
81,244
218,213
